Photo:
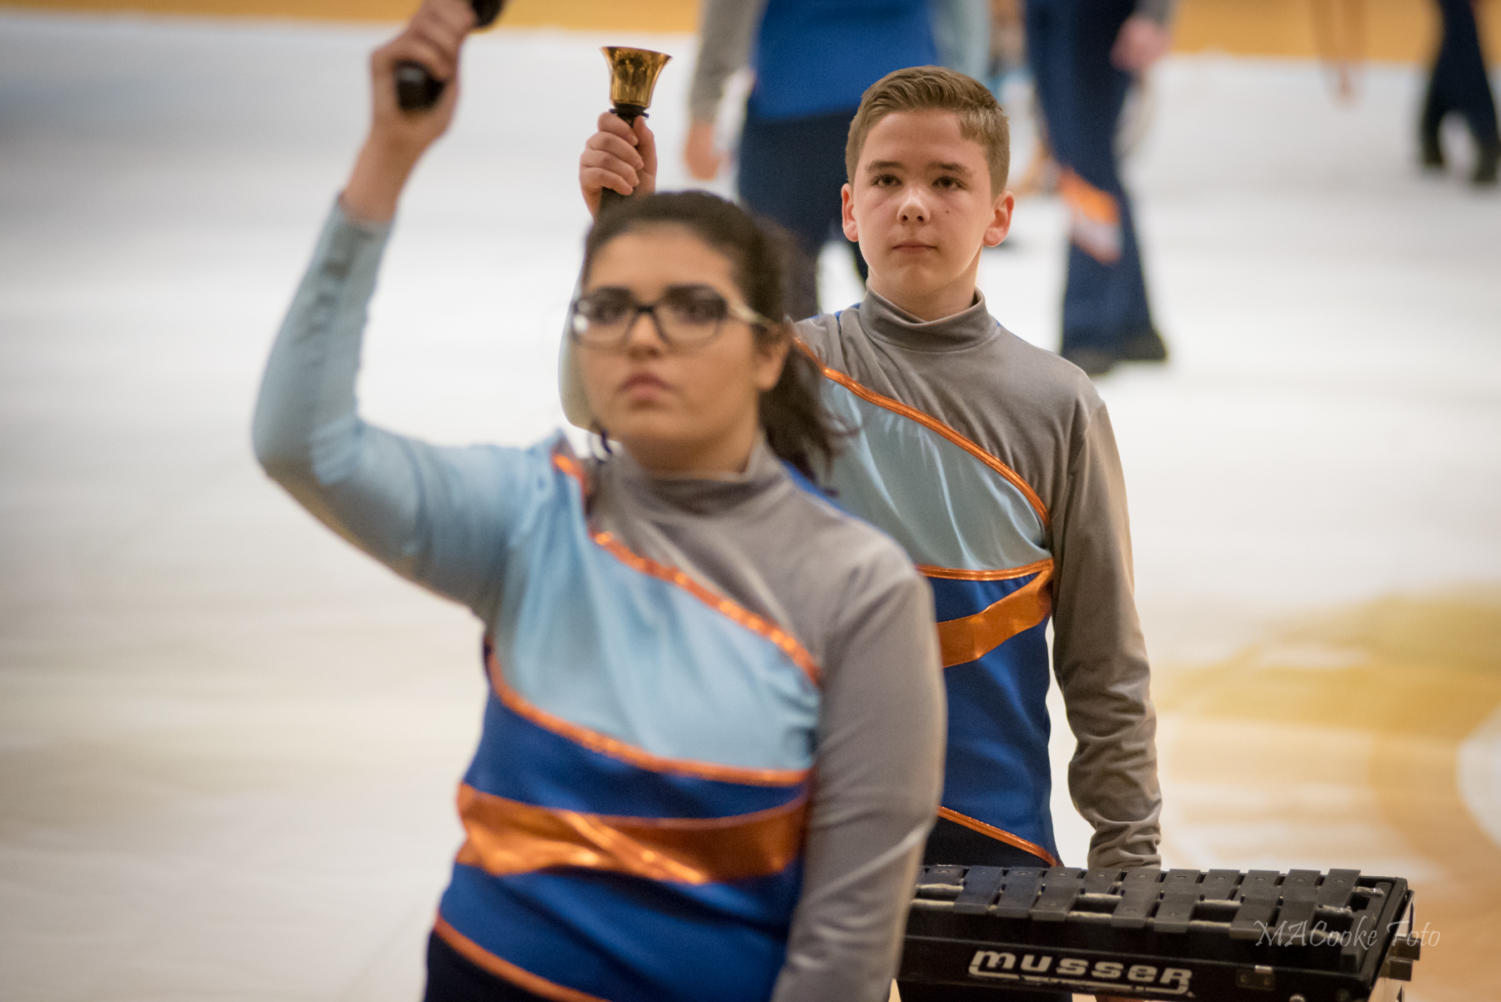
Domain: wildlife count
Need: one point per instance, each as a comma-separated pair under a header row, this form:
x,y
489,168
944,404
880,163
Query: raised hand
x,y
619,156
397,137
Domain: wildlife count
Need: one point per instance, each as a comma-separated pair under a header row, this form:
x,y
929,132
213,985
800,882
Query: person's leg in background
x,y
790,172
1106,316
1458,82
1339,30
1438,100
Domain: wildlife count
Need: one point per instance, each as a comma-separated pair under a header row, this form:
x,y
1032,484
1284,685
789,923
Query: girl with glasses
x,y
712,734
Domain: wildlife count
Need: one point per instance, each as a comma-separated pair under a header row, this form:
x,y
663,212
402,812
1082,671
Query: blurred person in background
x,y
1084,56
1339,32
962,30
1457,83
810,61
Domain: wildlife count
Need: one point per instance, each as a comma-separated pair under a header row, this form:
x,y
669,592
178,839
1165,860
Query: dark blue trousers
x,y
790,172
1081,95
1457,81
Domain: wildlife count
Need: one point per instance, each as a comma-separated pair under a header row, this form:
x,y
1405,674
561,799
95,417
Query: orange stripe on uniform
x,y
999,834
957,574
568,465
932,424
615,748
482,958
1094,217
963,640
785,641
739,614
1094,204
508,837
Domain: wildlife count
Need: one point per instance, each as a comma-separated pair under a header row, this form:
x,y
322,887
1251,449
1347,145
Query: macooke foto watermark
x,y
1319,933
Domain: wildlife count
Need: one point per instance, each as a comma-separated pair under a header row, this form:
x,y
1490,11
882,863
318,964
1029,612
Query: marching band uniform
x,y
689,783
994,464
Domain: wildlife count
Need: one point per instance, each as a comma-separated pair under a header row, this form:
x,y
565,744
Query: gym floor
x,y
229,743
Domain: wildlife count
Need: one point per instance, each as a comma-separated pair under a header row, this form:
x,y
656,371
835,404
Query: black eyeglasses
x,y
686,316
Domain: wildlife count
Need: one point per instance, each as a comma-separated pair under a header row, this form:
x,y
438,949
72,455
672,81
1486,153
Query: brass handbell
x,y
633,75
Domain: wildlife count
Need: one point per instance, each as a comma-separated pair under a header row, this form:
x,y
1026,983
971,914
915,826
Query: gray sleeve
x,y
877,779
726,29
1100,656
434,515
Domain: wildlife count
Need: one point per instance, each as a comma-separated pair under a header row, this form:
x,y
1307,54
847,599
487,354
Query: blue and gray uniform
x,y
994,464
712,740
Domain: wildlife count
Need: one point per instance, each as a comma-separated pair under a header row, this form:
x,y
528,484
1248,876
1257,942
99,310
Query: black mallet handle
x,y
416,88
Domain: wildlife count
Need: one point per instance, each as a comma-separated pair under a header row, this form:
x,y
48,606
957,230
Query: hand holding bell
x,y
633,77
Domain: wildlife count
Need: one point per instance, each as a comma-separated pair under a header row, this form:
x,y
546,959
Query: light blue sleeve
x,y
439,516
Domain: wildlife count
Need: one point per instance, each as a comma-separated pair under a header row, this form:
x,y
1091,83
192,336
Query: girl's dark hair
x,y
798,426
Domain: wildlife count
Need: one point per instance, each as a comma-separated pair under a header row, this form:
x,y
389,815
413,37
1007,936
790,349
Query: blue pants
x,y
790,172
1081,94
1457,81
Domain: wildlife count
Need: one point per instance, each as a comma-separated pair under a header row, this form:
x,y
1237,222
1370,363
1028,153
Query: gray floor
x,y
229,744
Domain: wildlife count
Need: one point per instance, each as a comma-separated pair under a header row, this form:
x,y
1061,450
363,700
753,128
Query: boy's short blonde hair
x,y
923,88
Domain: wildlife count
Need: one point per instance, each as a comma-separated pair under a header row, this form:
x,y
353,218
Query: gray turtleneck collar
x,y
886,321
696,494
